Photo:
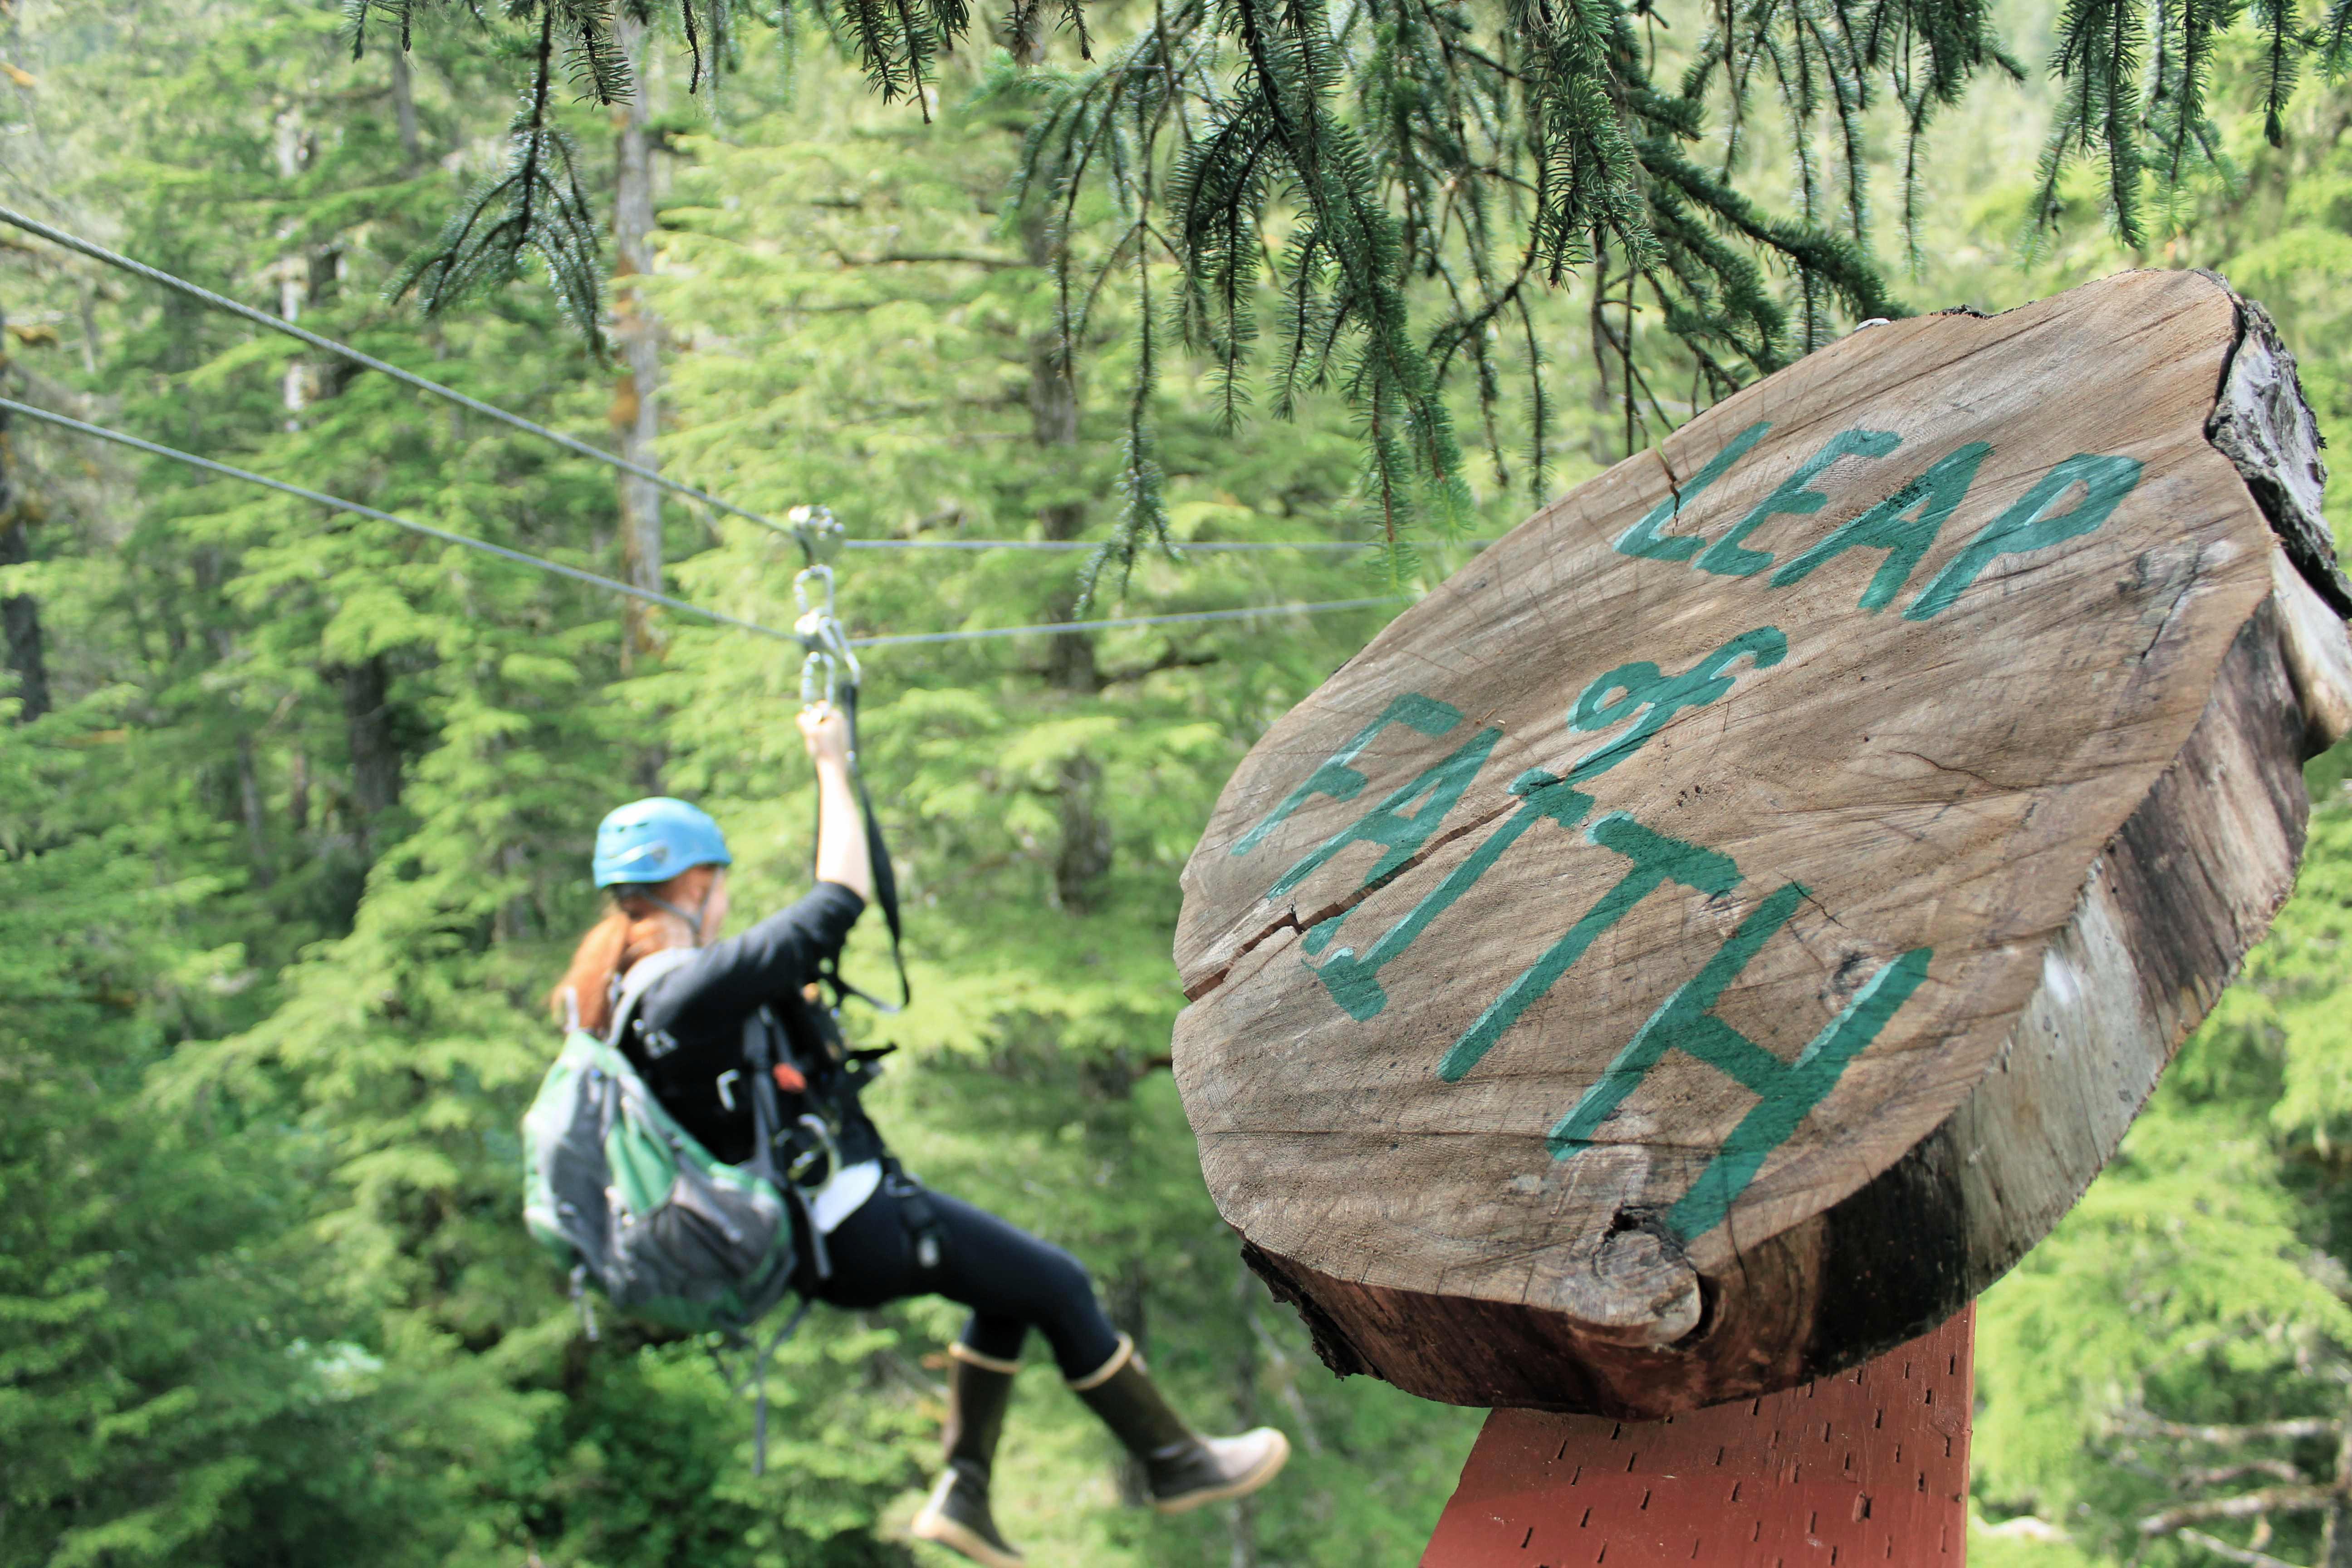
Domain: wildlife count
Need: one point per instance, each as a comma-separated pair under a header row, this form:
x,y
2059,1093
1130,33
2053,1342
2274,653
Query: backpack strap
x,y
637,983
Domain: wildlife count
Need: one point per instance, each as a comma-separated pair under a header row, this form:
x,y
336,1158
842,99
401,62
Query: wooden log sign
x,y
1705,941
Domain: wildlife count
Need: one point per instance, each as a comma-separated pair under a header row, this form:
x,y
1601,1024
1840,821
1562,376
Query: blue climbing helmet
x,y
653,839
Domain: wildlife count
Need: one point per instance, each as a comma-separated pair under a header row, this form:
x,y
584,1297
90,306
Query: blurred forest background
x,y
295,810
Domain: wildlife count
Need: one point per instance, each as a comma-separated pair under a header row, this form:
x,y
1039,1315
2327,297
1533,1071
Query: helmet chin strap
x,y
693,918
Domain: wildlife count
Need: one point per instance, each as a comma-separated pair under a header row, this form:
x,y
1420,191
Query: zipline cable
x,y
259,317
905,638
1181,547
337,503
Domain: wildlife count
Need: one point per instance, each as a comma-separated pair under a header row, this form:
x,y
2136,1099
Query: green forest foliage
x,y
288,863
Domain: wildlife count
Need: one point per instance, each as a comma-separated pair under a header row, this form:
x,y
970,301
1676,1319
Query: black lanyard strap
x,y
886,876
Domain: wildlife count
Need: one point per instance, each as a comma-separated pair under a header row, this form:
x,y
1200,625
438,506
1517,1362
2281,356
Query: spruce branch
x,y
535,206
2281,61
1143,513
401,13
1469,151
2098,59
2335,45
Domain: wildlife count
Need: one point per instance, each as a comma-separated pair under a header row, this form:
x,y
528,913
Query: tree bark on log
x,y
1712,937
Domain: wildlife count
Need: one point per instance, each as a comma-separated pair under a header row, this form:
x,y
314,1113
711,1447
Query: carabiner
x,y
820,678
831,664
814,573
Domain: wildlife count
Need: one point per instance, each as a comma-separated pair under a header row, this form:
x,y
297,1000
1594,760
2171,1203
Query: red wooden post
x,y
1867,1466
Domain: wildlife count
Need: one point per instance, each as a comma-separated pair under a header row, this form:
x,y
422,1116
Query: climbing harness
x,y
926,1232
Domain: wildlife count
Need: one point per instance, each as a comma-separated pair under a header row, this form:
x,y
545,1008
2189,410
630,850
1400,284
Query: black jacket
x,y
688,1029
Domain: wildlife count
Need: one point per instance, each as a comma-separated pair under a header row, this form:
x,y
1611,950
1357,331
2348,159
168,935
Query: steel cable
x,y
904,638
122,440
577,574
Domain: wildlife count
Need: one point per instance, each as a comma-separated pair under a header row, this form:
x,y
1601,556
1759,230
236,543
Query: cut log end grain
x,y
1709,940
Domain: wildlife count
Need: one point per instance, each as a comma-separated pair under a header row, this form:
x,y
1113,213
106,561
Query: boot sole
x,y
1267,1469
941,1530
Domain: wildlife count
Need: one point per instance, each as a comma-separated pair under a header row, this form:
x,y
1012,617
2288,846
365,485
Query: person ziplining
x,y
731,1039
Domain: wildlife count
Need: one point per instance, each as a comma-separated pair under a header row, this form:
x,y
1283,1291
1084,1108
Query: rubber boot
x,y
1183,1469
956,1514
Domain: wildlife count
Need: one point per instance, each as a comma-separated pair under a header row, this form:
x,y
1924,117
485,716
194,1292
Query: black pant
x,y
1008,1278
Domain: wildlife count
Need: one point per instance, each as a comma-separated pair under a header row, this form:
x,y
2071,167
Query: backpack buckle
x,y
812,1165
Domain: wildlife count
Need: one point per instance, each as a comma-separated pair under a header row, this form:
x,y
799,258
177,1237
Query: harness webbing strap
x,y
763,1049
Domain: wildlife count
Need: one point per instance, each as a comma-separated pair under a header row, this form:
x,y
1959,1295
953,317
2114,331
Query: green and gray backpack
x,y
634,1206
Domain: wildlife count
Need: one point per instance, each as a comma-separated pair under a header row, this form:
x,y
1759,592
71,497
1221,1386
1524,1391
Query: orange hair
x,y
634,928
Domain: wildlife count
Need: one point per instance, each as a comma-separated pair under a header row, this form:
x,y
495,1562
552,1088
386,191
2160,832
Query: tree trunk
x,y
20,613
1082,861
253,811
1711,938
86,306
292,144
404,110
365,688
309,277
298,791
1054,427
248,807
2335,1534
637,407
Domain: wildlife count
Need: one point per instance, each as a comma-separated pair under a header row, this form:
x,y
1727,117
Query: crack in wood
x,y
1290,921
1989,783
